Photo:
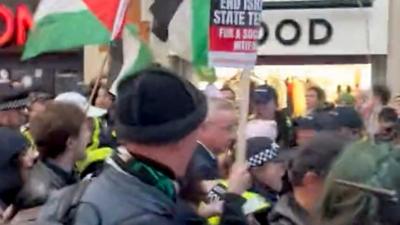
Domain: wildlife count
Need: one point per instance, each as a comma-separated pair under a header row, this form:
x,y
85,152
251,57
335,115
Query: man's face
x,y
311,99
219,131
386,131
104,99
304,135
78,144
267,110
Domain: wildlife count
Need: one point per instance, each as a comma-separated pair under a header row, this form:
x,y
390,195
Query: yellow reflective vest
x,y
94,153
254,203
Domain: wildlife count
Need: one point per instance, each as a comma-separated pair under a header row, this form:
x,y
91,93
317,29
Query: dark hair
x,y
321,96
51,129
382,92
316,156
388,114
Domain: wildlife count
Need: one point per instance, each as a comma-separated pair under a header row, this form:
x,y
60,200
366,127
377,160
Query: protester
x,y
265,107
159,131
60,134
315,99
101,142
387,120
370,173
216,135
307,172
228,93
380,98
103,98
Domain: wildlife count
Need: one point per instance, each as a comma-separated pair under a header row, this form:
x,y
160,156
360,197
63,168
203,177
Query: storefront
x,y
54,73
332,44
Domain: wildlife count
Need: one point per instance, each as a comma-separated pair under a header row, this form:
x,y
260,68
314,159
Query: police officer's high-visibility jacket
x,y
254,203
97,151
27,134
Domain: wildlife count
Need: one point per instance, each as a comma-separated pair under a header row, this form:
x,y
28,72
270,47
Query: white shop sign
x,y
334,31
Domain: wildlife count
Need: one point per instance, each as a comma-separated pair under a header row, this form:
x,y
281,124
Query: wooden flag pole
x,y
244,99
98,79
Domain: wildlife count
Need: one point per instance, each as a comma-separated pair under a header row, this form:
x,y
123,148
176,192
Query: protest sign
x,y
233,35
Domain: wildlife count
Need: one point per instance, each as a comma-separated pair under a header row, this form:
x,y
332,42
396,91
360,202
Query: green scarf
x,y
151,175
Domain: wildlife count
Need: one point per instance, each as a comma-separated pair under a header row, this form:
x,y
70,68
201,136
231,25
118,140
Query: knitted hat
x,y
154,106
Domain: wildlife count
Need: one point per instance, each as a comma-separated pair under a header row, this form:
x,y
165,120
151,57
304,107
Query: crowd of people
x,y
163,152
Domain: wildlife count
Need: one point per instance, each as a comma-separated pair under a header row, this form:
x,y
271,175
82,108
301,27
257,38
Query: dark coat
x,y
288,212
116,197
44,178
202,165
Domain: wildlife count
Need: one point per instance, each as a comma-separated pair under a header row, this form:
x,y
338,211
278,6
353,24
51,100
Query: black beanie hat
x,y
154,106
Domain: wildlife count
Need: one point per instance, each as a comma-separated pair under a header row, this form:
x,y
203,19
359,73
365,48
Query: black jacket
x,y
116,197
44,178
288,212
202,165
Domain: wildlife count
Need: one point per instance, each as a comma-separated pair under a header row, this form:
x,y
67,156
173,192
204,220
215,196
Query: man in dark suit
x,y
216,135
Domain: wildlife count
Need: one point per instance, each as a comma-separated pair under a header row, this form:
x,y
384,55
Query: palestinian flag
x,y
64,24
136,53
183,26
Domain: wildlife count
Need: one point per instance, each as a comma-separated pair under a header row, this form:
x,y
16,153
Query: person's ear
x,y
70,143
310,178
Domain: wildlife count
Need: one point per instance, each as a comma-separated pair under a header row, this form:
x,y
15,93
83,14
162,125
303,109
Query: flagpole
x,y
244,88
118,22
119,18
98,79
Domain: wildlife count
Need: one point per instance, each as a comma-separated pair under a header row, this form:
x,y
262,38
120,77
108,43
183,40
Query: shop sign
x,y
15,22
325,31
234,31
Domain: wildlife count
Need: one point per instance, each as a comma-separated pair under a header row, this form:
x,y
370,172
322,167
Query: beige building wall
x,y
94,57
393,59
